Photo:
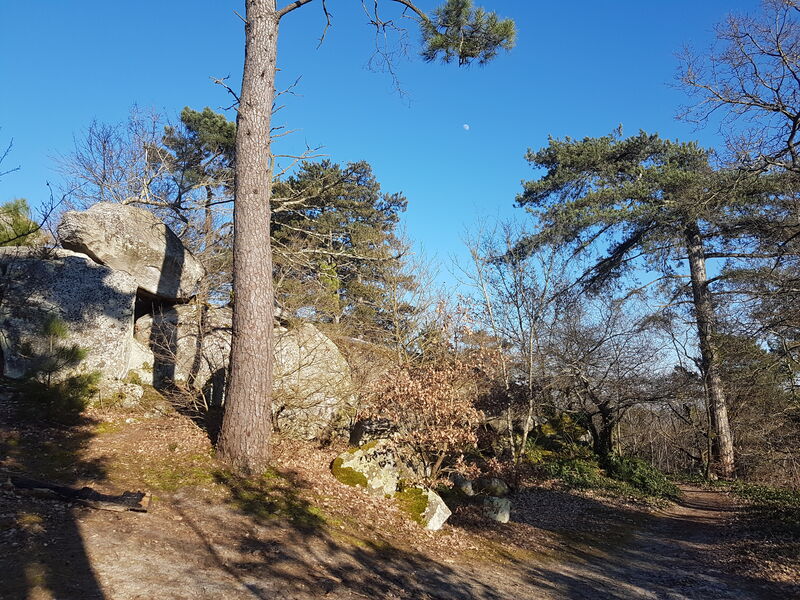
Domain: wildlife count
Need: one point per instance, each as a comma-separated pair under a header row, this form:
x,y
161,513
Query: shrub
x,y
433,408
576,473
46,387
780,504
641,475
622,476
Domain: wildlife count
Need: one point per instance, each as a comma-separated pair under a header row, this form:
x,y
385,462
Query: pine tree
x,y
652,199
244,440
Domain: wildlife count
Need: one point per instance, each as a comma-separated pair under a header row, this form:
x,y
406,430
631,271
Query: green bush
x,y
576,473
16,226
641,475
625,476
63,401
780,504
50,392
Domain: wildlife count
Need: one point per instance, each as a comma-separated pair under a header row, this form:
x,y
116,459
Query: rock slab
x,y
134,240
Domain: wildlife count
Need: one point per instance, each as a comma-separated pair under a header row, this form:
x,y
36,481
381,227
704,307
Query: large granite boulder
x,y
95,302
313,390
134,240
312,385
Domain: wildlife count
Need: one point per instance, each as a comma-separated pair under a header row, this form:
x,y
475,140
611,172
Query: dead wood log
x,y
133,501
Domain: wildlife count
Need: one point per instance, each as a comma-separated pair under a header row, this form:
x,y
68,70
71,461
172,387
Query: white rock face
x,y
134,240
436,512
95,302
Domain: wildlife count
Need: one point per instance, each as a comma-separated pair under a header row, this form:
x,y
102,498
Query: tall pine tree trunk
x,y
247,424
722,445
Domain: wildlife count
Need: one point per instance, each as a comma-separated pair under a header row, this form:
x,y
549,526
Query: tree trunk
x,y
709,356
603,436
247,426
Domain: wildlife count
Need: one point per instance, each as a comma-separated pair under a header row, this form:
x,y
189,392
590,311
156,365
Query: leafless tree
x,y
749,83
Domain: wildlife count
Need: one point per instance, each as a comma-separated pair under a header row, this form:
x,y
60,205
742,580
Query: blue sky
x,y
579,69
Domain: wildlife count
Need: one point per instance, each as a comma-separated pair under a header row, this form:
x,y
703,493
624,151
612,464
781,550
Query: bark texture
x,y
722,441
246,428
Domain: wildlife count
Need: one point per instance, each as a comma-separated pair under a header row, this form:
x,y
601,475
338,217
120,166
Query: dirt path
x,y
185,551
311,537
671,555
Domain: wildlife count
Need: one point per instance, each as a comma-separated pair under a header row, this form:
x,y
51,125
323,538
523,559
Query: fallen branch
x,y
133,501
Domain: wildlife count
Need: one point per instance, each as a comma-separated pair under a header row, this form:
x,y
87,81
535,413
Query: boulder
x,y
462,484
169,341
95,302
313,390
312,386
373,466
497,509
490,486
425,506
134,240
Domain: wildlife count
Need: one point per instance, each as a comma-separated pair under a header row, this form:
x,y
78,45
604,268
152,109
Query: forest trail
x,y
670,555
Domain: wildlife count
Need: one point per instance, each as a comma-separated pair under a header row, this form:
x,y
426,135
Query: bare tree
x,y
750,83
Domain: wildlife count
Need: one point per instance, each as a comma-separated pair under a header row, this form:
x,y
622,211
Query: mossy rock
x,y
372,466
424,506
347,475
414,502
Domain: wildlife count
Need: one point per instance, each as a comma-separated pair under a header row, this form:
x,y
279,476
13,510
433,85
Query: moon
x,y
465,126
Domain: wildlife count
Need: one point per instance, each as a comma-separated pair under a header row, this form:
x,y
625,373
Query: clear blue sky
x,y
579,69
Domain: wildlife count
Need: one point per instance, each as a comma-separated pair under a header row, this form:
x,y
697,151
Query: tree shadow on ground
x,y
44,554
616,553
285,546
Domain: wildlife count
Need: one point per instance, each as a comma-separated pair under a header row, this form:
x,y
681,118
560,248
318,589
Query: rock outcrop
x,y
134,240
121,261
312,386
95,302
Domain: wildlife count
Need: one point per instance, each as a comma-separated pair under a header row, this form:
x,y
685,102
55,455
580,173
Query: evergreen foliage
x,y
17,228
458,31
48,386
637,194
335,241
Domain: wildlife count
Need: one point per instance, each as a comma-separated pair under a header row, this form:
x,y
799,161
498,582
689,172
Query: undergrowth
x,y
623,476
777,504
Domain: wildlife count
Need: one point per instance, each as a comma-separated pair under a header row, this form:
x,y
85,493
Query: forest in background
x,y
641,307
